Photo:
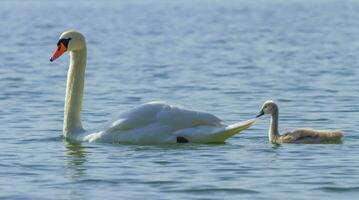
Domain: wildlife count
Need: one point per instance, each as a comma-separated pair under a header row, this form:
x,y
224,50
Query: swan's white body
x,y
154,122
158,122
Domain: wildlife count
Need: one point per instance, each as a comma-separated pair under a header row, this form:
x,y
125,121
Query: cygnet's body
x,y
302,135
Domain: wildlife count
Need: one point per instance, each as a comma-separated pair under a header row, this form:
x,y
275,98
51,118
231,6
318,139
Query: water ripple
x,y
224,57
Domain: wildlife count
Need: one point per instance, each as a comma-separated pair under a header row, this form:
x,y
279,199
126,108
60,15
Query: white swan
x,y
153,122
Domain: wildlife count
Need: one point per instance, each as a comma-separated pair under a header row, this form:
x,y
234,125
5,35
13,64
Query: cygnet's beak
x,y
59,51
260,113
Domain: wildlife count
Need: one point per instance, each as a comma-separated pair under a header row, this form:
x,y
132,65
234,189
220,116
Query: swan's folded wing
x,y
179,118
137,118
174,117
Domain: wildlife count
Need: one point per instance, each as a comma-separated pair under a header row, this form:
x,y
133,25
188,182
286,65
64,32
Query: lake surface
x,y
223,57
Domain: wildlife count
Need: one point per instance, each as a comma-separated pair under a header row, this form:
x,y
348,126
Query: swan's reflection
x,y
75,158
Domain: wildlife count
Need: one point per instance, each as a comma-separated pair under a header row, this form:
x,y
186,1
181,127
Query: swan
x,y
154,122
302,135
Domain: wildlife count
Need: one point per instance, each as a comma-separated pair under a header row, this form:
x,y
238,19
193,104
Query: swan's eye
x,y
64,41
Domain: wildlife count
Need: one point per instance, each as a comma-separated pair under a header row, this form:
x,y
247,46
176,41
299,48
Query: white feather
x,y
158,122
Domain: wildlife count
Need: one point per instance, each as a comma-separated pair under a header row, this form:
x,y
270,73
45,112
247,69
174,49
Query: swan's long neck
x,y
74,93
273,129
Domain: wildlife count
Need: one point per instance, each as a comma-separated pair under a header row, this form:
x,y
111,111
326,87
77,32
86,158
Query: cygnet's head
x,y
69,41
269,107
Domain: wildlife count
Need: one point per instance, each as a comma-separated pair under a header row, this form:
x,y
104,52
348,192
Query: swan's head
x,y
69,41
269,107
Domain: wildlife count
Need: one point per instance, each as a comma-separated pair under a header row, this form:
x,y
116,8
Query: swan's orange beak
x,y
59,51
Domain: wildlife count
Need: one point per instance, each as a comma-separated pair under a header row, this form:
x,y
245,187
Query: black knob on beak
x,y
260,113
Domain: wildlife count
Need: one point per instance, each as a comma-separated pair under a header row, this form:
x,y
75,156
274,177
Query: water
x,y
224,57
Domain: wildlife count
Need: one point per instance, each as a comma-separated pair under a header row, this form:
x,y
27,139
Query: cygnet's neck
x,y
273,129
74,93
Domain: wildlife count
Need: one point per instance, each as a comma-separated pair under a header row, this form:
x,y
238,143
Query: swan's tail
x,y
216,135
231,130
237,128
330,135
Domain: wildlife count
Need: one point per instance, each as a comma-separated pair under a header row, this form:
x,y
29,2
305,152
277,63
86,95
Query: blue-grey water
x,y
223,57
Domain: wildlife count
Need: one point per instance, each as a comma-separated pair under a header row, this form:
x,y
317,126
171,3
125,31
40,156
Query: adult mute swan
x,y
154,122
302,135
